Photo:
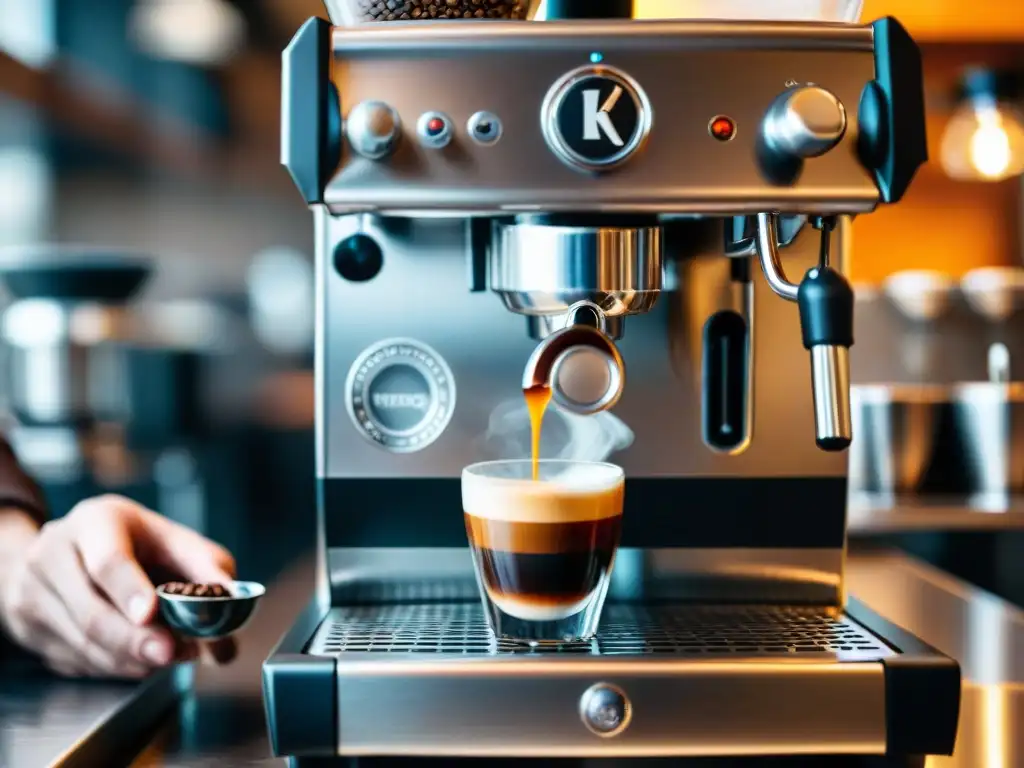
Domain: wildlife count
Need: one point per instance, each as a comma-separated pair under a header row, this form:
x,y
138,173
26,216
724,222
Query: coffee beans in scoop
x,y
402,10
195,590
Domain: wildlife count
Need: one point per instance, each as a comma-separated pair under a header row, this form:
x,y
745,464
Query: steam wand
x,y
825,300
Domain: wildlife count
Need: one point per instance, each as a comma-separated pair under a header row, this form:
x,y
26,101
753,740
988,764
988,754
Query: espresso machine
x,y
584,197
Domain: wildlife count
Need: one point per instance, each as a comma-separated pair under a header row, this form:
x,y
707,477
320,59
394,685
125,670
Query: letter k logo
x,y
596,118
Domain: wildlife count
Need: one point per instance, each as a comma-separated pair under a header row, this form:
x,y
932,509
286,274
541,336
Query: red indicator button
x,y
435,126
722,128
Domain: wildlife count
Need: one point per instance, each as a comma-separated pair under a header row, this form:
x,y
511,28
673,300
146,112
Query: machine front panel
x,y
423,376
421,296
689,73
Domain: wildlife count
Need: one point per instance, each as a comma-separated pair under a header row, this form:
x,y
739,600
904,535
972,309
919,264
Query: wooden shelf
x,y
72,99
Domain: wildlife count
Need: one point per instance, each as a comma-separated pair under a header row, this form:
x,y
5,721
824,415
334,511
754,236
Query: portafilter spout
x,y
825,299
580,363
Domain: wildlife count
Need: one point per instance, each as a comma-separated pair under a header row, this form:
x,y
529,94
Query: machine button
x,y
434,130
596,118
806,121
373,129
605,710
485,128
358,258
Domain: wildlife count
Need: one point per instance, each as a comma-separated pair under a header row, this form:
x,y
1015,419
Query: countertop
x,y
221,722
870,514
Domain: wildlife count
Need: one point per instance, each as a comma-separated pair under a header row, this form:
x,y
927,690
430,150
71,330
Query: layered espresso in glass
x,y
543,548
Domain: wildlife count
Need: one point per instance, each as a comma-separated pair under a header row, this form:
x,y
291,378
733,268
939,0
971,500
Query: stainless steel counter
x,y
222,724
985,634
882,514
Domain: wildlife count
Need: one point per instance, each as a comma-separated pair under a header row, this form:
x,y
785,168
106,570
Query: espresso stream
x,y
537,399
543,550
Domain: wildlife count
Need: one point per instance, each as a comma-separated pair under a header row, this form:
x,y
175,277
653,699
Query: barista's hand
x,y
77,594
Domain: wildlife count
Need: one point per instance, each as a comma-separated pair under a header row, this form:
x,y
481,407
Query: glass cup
x,y
543,549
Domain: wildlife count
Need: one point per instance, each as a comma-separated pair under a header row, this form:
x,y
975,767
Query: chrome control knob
x,y
806,121
373,129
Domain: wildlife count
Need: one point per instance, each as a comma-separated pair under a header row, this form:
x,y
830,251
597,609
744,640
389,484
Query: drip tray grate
x,y
626,630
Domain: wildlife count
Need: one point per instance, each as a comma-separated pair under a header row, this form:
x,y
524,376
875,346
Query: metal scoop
x,y
209,618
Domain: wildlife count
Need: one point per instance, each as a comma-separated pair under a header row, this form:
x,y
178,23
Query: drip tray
x,y
689,631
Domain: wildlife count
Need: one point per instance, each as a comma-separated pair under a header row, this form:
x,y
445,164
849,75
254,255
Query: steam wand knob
x,y
825,301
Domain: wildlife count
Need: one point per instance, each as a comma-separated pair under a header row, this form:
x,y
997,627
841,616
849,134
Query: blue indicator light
x,y
596,58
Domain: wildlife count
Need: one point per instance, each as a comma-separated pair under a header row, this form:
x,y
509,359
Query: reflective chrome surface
x,y
680,170
894,430
541,269
586,380
768,254
64,362
805,121
990,425
653,431
405,632
210,617
223,724
830,365
373,129
625,87
830,384
678,707
982,632
873,513
539,327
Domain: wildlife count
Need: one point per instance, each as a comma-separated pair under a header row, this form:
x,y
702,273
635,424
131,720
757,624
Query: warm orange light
x,y
722,128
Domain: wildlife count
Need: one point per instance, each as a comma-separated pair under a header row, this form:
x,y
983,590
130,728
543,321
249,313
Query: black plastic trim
x,y
106,281
479,240
725,380
702,512
311,112
741,231
740,270
892,140
922,689
300,693
826,300
589,9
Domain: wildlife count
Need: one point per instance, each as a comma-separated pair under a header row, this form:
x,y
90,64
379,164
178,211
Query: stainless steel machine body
x,y
475,186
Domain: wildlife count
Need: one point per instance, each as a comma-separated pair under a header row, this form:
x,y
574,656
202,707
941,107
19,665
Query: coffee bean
x,y
391,10
195,590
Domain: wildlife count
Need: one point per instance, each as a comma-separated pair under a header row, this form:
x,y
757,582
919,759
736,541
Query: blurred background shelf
x,y
871,515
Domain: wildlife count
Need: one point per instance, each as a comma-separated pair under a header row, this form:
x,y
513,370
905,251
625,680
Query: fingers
x,y
222,651
104,628
103,539
97,553
51,630
163,542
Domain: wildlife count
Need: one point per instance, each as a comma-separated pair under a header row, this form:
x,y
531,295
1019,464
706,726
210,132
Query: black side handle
x,y
892,141
310,111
